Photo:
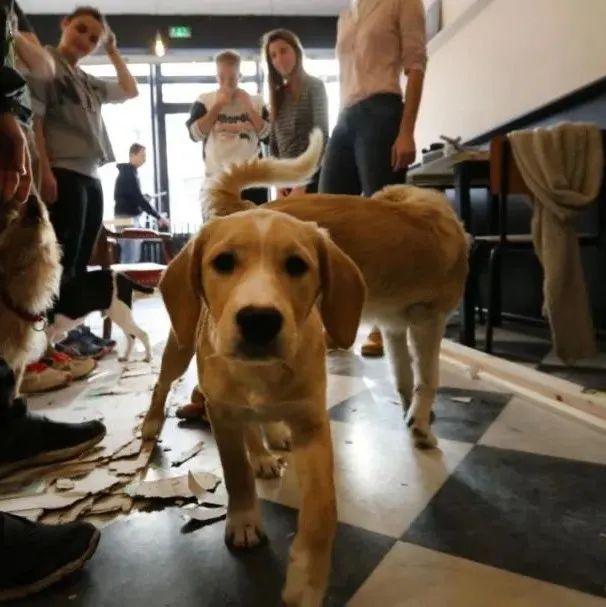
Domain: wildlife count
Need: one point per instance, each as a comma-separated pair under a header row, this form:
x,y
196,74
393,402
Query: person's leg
x,y
33,555
92,223
312,186
377,126
378,123
339,173
67,215
257,195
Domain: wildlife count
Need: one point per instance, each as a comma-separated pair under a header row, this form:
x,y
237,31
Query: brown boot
x,y
195,410
373,346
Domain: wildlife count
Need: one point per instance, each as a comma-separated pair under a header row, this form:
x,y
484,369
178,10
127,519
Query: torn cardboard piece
x,y
187,455
193,484
204,515
461,399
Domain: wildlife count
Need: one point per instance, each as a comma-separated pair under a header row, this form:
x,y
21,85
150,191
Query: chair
x,y
147,274
505,180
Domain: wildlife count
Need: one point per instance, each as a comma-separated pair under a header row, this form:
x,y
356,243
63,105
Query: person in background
x,y
298,101
33,555
230,123
130,203
373,142
72,143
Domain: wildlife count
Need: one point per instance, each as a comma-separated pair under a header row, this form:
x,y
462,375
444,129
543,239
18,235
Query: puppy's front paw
x,y
243,529
298,592
266,466
420,431
278,436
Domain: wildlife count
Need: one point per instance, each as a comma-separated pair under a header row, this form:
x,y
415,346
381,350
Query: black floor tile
x,y
151,560
539,516
454,420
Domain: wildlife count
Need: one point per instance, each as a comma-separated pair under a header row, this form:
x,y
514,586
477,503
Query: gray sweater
x,y
70,103
296,118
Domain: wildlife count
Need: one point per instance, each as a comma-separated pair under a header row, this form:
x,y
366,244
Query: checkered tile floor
x,y
509,511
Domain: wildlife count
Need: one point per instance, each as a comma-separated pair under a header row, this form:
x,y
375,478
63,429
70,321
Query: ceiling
x,y
192,7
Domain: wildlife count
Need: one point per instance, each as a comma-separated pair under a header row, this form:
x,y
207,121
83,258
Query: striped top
x,y
295,120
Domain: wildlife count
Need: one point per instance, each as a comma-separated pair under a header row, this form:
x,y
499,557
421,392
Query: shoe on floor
x,y
76,346
35,556
95,339
39,377
373,346
31,440
78,368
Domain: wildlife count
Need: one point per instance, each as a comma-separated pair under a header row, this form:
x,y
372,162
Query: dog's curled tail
x,y
222,195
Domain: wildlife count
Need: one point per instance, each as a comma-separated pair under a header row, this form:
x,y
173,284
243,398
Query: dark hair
x,y
135,148
228,56
276,82
88,11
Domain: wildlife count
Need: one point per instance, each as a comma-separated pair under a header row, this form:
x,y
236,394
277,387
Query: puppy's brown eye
x,y
295,266
224,263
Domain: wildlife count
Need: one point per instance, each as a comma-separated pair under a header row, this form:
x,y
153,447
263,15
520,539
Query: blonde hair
x,y
229,57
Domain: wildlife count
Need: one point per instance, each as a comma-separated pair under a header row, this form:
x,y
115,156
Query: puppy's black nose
x,y
259,326
32,207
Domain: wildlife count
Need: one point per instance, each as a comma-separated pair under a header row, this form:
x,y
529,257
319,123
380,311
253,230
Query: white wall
x,y
453,9
512,57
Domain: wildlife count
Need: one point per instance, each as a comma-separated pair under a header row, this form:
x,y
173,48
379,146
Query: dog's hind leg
x,y
396,347
122,315
130,342
425,337
264,464
175,360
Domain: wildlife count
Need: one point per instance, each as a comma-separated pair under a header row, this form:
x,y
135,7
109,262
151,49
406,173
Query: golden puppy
x,y
411,249
250,294
30,271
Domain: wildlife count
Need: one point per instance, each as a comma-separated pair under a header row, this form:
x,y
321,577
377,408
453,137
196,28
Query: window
x,y
127,123
106,70
204,68
185,175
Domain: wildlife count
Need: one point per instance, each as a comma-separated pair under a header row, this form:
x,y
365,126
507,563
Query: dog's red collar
x,y
20,312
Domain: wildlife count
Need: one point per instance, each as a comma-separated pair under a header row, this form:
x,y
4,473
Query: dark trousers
x,y
358,155
76,215
256,195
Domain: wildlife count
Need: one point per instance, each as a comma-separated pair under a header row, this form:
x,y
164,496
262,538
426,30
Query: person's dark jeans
x,y
358,155
256,195
76,216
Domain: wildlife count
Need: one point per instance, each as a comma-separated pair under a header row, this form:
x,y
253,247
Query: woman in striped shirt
x,y
298,101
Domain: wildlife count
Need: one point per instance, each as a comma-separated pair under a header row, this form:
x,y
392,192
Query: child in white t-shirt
x,y
230,122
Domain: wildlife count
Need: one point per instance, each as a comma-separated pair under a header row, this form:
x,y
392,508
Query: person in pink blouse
x,y
378,41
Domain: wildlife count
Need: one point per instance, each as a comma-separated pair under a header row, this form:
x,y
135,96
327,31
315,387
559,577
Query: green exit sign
x,y
179,31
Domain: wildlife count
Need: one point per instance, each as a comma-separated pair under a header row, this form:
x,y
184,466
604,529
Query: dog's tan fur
x,y
412,251
30,271
288,384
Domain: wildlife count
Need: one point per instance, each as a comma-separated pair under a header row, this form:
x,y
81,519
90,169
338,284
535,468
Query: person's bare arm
x,y
206,123
259,124
404,148
48,183
33,56
125,79
413,45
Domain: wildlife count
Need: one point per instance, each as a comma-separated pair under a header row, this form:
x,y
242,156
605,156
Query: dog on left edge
x,y
30,272
104,291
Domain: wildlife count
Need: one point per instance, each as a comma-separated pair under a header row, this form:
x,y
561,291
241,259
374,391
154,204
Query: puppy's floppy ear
x,y
343,292
181,289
